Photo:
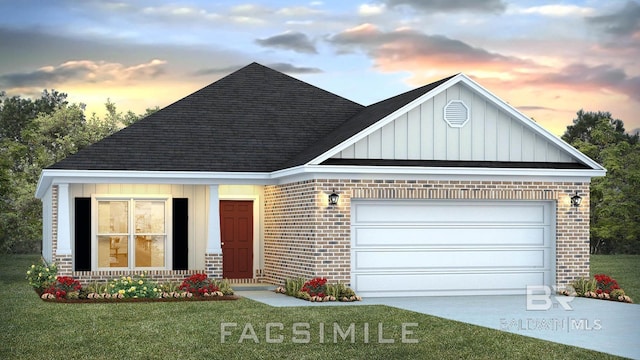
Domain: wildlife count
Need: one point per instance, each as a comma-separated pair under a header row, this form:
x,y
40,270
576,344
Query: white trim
x,y
50,177
213,228
131,199
64,221
384,121
303,172
573,152
399,172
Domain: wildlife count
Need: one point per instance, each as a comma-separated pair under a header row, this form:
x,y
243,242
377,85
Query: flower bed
x,y
317,290
136,300
198,287
600,287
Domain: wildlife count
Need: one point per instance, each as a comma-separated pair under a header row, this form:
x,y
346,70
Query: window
x,y
132,233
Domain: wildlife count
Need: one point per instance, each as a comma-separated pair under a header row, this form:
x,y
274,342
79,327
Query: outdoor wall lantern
x,y
333,198
576,199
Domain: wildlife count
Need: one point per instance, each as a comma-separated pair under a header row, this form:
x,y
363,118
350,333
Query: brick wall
x,y
290,229
313,239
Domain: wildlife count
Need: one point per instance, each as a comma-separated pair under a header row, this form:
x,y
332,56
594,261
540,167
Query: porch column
x,y
213,233
64,221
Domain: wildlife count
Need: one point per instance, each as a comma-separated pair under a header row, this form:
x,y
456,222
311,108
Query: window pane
x,y
113,251
113,217
150,251
149,217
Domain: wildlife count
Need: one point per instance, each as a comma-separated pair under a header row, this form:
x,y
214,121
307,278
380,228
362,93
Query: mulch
x,y
145,300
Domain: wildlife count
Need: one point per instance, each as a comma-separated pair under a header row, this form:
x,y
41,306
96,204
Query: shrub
x,y
42,276
293,286
605,284
199,285
224,286
340,291
318,289
616,293
133,287
583,286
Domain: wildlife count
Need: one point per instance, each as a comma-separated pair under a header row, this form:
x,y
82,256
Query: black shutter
x,y
180,234
82,251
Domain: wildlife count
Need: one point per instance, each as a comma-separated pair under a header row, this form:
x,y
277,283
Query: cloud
x,y
291,69
282,67
217,70
555,10
404,47
83,71
598,78
298,11
371,9
625,21
295,41
526,108
491,6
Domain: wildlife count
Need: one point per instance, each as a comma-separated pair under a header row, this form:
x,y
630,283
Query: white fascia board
x,y
384,121
309,172
478,88
531,124
50,177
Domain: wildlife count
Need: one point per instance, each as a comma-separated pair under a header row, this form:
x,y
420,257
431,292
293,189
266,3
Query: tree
x,y
35,134
16,113
615,198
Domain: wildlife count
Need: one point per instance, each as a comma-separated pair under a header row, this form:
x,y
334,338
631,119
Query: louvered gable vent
x,y
456,113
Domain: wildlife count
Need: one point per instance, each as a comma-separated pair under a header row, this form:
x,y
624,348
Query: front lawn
x,y
624,268
34,329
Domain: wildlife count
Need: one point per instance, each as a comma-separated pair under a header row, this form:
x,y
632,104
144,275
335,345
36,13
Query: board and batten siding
x,y
198,196
198,206
491,134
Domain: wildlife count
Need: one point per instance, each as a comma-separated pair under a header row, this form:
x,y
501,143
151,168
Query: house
x,y
442,190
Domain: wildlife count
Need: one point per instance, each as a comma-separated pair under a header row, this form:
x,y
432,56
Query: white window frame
x,y
168,248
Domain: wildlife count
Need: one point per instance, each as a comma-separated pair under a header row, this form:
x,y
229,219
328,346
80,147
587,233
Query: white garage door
x,y
437,248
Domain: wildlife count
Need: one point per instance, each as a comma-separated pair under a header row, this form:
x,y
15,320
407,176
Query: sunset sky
x,y
548,59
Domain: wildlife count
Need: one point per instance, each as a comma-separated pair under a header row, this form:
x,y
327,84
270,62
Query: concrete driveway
x,y
606,326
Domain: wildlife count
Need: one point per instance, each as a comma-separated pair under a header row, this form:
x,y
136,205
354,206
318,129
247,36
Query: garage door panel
x,y
449,247
431,236
449,259
449,213
384,284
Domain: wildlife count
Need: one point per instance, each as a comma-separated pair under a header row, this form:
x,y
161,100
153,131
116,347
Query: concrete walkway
x,y
605,326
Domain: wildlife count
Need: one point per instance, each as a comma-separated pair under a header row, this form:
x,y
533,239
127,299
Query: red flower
x,y
315,286
198,284
605,284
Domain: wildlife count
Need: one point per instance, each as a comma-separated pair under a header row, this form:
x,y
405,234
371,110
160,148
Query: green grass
x,y
34,329
624,268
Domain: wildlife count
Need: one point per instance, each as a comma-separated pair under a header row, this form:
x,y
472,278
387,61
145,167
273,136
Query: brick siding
x,y
304,237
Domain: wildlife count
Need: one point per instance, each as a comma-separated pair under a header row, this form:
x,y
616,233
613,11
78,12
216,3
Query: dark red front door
x,y
236,227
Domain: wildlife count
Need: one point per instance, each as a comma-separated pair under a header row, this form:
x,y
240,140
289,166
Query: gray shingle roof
x,y
253,120
360,121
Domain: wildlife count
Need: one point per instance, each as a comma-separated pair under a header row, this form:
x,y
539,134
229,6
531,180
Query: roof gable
x,y
361,122
252,120
488,131
258,120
